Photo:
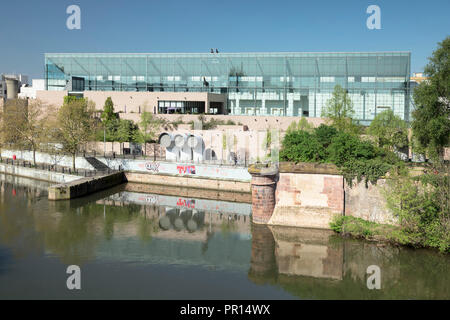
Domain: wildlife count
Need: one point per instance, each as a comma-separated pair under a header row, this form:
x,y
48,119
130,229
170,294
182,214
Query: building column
x,y
263,183
290,108
237,109
263,106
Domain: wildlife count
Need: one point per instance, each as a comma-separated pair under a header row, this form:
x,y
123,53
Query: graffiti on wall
x,y
152,166
186,169
186,203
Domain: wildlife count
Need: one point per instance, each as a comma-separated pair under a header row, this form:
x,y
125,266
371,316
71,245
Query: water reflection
x,y
317,264
151,236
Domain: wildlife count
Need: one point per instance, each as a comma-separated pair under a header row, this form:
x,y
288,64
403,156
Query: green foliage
x,y
301,146
325,134
339,110
431,117
360,228
302,124
108,113
75,125
126,131
355,157
389,130
71,99
115,129
370,170
149,127
422,206
345,147
224,141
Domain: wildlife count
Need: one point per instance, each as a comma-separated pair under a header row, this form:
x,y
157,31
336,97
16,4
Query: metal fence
x,y
56,168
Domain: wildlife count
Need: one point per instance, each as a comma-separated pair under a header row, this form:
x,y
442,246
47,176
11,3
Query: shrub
x,y
421,204
300,146
325,134
345,147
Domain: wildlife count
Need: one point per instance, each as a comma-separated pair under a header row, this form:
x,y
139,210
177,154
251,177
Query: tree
x,y
24,125
431,118
110,122
126,131
389,130
75,125
148,128
339,110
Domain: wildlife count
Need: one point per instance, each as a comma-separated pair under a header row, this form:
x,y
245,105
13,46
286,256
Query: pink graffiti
x,y
186,203
186,169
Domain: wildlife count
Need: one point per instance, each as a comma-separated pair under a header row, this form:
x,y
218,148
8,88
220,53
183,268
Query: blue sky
x,y
29,28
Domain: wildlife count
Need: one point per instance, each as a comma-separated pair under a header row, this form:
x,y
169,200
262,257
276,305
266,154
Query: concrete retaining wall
x,y
210,171
189,182
180,169
84,186
41,157
37,174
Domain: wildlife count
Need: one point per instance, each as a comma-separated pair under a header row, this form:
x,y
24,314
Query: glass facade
x,y
292,84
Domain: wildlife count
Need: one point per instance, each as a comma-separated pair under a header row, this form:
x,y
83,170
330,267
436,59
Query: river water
x,y
135,245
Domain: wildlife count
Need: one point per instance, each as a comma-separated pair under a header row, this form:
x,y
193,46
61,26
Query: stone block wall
x,y
368,203
311,190
310,195
308,199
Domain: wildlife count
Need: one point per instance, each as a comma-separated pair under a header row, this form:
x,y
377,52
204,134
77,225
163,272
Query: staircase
x,y
97,164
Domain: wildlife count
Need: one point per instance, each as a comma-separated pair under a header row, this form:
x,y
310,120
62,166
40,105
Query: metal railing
x,y
56,168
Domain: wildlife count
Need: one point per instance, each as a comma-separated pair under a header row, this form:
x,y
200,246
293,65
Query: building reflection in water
x,y
126,226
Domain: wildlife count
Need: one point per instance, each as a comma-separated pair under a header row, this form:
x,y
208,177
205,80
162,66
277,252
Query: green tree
x,y
110,122
126,131
75,125
431,117
148,128
389,130
339,110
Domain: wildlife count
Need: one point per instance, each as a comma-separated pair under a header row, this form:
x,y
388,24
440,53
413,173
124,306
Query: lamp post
x,y
104,140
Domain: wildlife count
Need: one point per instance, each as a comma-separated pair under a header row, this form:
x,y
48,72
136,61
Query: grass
x,y
372,231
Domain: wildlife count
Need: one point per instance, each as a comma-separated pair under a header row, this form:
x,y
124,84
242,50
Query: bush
x,y
355,157
421,204
325,134
345,147
301,146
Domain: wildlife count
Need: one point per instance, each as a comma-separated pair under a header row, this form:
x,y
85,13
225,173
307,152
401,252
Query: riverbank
x,y
384,233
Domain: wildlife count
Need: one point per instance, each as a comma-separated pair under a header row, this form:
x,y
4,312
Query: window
x,y
326,79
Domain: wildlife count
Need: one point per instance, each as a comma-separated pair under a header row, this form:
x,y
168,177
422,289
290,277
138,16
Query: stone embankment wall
x,y
309,195
178,174
37,174
84,186
368,203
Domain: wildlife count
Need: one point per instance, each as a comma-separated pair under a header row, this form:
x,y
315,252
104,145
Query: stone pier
x,y
263,183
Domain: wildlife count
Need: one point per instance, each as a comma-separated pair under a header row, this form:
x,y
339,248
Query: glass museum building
x,y
279,84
